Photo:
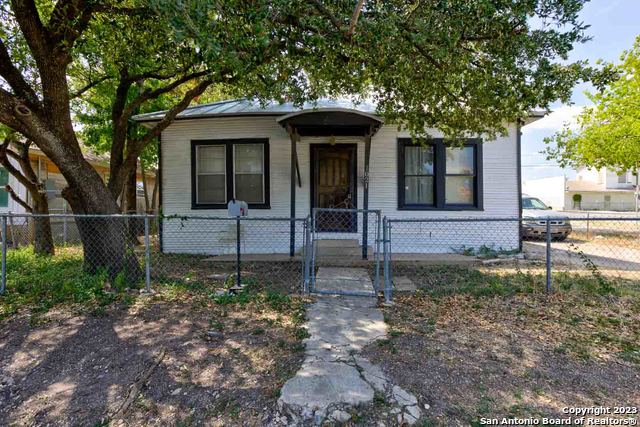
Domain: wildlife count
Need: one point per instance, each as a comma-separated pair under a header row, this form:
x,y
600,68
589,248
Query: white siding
x,y
500,190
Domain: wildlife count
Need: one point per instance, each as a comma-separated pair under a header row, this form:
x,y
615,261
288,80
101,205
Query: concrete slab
x,y
319,385
332,279
333,376
403,284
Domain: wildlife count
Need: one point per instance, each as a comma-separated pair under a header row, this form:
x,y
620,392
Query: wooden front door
x,y
333,184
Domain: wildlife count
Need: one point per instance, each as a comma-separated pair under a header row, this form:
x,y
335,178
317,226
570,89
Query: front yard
x,y
472,343
72,354
476,344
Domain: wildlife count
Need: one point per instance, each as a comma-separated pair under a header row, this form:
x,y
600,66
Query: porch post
x,y
294,159
365,204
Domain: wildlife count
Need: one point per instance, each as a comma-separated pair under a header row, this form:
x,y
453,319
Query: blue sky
x,y
614,27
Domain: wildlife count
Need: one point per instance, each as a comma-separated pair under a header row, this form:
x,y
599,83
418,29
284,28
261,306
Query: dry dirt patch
x,y
223,364
517,356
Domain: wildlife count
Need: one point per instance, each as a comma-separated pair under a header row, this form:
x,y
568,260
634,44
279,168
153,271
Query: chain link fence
x,y
383,255
142,250
437,254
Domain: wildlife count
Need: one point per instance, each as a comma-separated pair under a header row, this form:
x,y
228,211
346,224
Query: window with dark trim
x,y
227,169
438,176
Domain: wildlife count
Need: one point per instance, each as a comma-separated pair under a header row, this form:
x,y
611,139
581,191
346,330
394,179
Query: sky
x,y
614,27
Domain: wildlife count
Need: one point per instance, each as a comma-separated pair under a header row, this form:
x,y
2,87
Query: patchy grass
x,y
441,281
226,357
491,343
37,283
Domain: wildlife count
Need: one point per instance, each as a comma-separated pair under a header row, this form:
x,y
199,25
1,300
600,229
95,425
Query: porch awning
x,y
331,122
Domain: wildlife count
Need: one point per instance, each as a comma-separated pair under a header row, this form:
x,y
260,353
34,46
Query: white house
x,y
284,161
602,189
592,189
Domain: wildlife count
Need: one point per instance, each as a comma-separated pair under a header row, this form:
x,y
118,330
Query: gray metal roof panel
x,y
246,107
253,107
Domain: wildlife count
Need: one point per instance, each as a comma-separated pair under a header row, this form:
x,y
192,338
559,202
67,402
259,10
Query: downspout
x,y
519,179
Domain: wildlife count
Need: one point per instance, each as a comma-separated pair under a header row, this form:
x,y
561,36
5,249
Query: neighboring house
x,y
285,161
592,189
602,190
47,171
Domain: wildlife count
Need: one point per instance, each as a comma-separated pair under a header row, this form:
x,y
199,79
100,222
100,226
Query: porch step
x,y
338,243
337,251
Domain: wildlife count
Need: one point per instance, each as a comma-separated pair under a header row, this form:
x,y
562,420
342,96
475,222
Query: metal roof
x,y
246,107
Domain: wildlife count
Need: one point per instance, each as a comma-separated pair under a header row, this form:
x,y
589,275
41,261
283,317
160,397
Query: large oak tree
x,y
465,67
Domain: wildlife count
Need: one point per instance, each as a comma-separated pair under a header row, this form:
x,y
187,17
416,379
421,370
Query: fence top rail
x,y
163,217
233,218
71,215
511,219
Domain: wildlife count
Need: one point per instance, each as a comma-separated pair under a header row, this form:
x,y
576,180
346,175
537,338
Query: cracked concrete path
x,y
334,378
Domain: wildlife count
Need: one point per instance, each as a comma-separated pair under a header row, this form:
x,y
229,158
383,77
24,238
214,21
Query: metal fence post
x,y
377,256
3,285
305,257
548,254
147,254
312,245
64,222
386,228
238,251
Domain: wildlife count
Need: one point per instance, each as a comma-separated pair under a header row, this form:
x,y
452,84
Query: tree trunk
x,y
129,207
130,193
154,195
104,238
43,237
145,187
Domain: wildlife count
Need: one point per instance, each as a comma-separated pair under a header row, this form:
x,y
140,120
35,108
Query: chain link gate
x,y
343,252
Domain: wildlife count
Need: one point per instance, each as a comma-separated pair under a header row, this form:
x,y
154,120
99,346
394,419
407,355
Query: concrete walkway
x,y
334,378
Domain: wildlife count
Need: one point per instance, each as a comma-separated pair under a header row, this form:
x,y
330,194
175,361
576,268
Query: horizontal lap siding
x,y
500,194
499,176
218,236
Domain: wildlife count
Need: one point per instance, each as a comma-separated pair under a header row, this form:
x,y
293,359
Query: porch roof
x,y
331,121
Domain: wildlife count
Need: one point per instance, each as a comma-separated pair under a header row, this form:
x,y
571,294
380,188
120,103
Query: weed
x,y
39,283
301,333
604,287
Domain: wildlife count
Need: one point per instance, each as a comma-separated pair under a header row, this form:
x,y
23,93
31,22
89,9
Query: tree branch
x,y
89,86
68,20
34,32
17,199
13,76
153,94
354,17
320,7
155,131
6,163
